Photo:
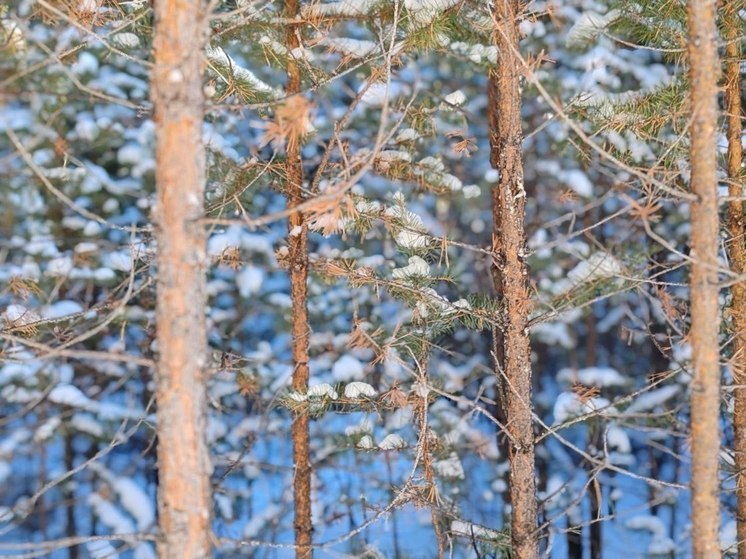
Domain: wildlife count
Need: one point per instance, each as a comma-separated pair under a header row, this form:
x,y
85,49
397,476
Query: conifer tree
x,y
705,397
732,35
296,109
184,498
510,274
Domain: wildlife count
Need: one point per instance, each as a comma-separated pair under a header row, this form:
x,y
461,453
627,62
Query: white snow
x,y
347,368
407,135
224,505
47,429
457,98
392,442
68,395
87,64
578,181
729,536
376,94
110,515
358,389
18,315
411,239
593,376
451,467
470,530
617,439
249,281
471,191
341,8
417,267
651,400
554,333
660,544
126,40
236,237
589,26
61,309
120,260
221,59
104,274
350,47
424,11
323,390
597,266
297,396
475,52
86,423
569,405
365,442
363,427
135,501
385,158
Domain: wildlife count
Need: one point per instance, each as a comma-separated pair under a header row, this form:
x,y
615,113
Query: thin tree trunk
x,y
510,274
71,529
184,502
298,249
594,436
737,252
705,399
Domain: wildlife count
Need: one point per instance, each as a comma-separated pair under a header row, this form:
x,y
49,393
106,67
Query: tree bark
x,y
298,258
510,274
184,500
705,398
732,27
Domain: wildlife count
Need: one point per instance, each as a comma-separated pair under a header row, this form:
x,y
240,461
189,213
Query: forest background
x,y
372,278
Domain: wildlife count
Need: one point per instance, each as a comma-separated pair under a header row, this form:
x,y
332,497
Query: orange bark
x,y
510,274
298,258
705,398
737,253
184,501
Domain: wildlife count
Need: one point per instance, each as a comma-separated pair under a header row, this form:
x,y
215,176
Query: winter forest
x,y
372,279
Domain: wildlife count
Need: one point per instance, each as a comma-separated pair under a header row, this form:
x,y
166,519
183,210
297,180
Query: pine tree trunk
x,y
297,244
737,252
510,274
184,501
705,399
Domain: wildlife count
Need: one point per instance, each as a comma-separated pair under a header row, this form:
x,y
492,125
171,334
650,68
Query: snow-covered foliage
x,y
401,297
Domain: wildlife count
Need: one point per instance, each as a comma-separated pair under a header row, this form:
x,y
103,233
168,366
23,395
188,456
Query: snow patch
x,y
323,390
347,368
392,442
358,389
417,267
651,400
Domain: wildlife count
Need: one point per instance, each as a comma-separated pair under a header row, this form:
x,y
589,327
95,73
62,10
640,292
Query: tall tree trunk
x,y
71,529
298,248
732,27
705,399
184,501
595,434
510,274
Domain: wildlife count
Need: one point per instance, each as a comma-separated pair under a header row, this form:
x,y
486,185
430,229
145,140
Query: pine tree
x,y
184,499
732,35
510,273
705,399
297,107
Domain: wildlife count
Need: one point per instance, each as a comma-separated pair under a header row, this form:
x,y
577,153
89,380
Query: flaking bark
x,y
298,258
510,274
184,499
705,390
732,27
